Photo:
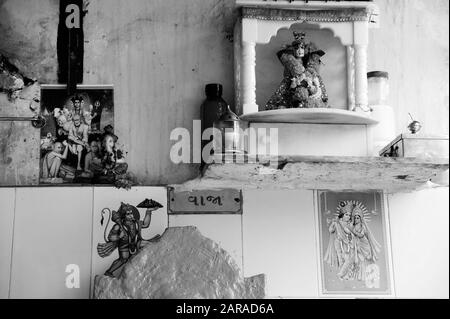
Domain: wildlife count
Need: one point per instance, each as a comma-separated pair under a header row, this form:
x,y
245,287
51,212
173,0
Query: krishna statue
x,y
302,86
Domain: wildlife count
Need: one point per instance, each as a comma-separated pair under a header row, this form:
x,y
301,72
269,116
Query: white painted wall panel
x,y
7,202
419,224
52,229
280,241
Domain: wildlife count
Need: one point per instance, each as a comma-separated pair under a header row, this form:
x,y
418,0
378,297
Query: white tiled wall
x,y
280,241
42,230
52,229
420,243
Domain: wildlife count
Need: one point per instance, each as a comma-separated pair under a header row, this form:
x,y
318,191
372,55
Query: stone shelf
x,y
327,173
313,116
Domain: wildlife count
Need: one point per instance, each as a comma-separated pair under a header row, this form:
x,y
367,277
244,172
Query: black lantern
x,y
228,137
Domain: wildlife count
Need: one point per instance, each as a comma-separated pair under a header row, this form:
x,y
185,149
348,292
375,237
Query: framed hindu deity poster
x,y
74,134
354,243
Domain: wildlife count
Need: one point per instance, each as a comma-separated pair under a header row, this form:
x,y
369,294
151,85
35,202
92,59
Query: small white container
x,y
378,87
378,90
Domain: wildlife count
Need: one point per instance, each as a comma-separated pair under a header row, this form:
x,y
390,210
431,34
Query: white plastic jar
x,y
384,132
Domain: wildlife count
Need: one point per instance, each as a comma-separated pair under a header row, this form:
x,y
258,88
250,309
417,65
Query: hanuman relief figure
x,y
125,235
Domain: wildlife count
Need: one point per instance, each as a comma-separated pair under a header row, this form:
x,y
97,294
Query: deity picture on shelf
x,y
302,86
78,144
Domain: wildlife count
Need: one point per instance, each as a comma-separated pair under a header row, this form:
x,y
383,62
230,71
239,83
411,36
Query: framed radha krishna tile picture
x,y
354,244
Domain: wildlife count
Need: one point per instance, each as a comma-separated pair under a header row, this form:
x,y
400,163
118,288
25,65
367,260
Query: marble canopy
x,y
261,20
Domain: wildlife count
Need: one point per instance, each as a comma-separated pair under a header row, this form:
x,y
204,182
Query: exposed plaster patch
x,y
181,264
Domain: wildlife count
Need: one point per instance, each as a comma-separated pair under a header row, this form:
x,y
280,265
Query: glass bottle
x,y
214,105
211,110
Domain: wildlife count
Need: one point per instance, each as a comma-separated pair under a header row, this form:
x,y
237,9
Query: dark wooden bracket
x,y
70,46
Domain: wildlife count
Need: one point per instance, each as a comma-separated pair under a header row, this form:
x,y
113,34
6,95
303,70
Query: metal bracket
x,y
37,121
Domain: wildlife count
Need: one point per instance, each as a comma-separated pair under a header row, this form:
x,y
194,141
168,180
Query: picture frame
x,y
355,262
71,140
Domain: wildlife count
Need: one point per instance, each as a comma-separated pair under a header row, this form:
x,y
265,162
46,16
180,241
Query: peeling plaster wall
x,y
28,30
19,141
159,55
19,164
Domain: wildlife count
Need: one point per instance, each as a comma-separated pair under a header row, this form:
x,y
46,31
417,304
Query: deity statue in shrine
x,y
302,86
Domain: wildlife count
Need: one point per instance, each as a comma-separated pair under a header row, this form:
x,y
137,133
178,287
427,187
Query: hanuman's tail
x,y
104,211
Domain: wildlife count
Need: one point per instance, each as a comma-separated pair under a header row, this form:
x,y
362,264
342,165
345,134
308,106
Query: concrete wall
x,y
412,45
159,55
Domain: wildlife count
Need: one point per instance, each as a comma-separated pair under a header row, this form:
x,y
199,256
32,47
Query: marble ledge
x,y
308,5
